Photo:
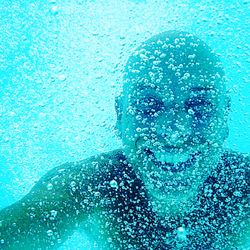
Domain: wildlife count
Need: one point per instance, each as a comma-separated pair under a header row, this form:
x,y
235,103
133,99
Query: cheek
x,y
203,122
133,128
138,124
211,130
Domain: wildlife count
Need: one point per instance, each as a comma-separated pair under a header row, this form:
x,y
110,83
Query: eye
x,y
149,106
200,108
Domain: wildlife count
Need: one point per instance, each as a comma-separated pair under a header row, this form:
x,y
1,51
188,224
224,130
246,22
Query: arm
x,y
241,238
50,212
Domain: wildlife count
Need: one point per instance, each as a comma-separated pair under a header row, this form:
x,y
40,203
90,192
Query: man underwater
x,y
171,186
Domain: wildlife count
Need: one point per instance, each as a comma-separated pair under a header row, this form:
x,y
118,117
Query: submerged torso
x,y
126,220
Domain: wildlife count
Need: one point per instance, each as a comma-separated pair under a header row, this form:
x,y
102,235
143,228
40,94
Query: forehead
x,y
172,89
173,63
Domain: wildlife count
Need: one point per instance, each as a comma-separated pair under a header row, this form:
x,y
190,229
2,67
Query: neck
x,y
172,204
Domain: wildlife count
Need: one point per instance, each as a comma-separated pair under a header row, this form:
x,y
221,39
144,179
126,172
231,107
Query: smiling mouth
x,y
175,163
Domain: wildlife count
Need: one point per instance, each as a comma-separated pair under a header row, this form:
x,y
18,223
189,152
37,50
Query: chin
x,y
179,178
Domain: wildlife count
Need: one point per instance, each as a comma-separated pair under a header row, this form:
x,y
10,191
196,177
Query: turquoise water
x,y
61,68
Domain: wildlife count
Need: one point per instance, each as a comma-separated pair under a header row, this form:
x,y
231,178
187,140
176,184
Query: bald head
x,y
174,56
177,66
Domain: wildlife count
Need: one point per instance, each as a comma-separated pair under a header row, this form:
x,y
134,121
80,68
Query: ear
x,y
228,106
118,109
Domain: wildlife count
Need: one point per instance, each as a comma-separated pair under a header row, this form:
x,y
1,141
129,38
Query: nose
x,y
175,130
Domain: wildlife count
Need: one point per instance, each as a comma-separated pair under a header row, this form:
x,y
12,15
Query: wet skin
x,y
173,118
172,172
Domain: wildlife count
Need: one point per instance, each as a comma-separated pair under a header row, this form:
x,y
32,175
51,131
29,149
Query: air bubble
x,y
54,10
181,233
113,184
50,233
238,194
191,112
138,117
186,76
138,130
191,56
62,77
53,213
50,186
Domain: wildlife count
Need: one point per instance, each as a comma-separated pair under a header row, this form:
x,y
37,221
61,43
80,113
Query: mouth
x,y
172,161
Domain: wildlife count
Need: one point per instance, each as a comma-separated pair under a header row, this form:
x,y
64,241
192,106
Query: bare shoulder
x,y
238,165
76,179
241,239
236,158
234,175
66,196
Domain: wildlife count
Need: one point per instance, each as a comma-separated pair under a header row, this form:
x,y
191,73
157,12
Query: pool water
x,y
61,65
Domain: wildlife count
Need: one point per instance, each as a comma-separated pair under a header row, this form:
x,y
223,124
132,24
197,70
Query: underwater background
x,y
61,66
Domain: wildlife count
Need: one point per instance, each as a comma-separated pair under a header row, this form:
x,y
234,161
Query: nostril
x,y
175,138
164,135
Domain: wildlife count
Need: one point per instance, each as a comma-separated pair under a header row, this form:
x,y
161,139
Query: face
x,y
172,120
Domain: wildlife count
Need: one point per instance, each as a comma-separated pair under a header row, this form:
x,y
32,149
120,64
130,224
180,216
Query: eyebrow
x,y
194,89
143,87
197,89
